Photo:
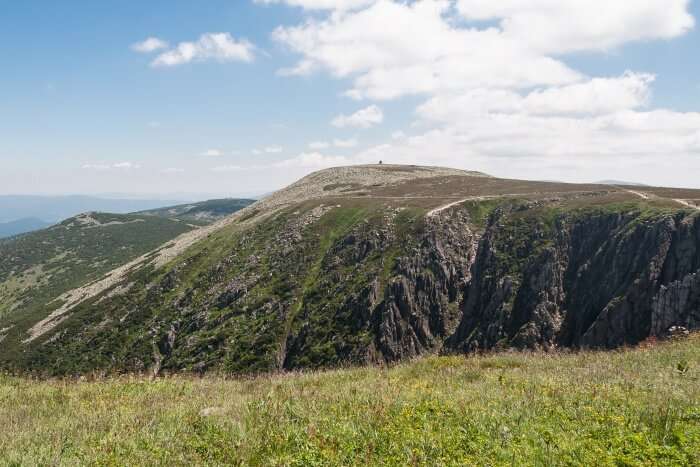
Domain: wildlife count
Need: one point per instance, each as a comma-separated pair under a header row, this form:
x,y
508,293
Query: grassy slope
x,y
38,267
630,407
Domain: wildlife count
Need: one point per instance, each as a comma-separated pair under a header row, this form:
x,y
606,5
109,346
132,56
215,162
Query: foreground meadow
x,y
631,407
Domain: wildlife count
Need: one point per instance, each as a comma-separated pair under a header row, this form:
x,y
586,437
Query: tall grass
x,y
630,407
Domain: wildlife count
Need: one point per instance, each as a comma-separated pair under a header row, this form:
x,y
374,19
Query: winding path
x,y
438,209
687,204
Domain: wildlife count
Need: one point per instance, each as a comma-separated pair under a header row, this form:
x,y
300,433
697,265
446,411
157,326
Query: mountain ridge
x,y
382,263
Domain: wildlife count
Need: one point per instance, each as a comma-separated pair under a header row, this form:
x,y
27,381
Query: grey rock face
x,y
601,280
677,304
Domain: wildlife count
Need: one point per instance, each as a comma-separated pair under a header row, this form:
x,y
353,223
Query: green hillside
x,y
629,407
38,268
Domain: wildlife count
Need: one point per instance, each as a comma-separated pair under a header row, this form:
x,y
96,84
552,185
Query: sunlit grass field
x,y
629,407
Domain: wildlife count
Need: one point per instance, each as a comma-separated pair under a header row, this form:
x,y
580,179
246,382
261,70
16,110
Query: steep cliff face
x,y
398,287
606,278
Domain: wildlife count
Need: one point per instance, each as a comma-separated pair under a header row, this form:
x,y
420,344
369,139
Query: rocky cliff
x,y
592,279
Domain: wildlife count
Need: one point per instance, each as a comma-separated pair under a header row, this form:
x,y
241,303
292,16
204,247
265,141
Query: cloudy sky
x,y
244,96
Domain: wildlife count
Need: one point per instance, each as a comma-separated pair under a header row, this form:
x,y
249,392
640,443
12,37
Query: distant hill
x,y
52,209
619,183
20,226
202,212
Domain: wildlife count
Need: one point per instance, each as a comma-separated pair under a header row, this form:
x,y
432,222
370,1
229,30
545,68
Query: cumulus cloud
x,y
372,47
221,47
593,97
391,49
498,94
149,45
555,26
578,148
364,118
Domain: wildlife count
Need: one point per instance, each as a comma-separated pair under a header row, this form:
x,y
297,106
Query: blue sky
x,y
83,112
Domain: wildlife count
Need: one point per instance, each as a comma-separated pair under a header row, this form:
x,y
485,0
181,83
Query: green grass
x,y
629,407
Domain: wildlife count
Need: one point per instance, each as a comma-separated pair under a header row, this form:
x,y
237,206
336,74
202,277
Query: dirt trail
x,y
687,204
439,209
639,193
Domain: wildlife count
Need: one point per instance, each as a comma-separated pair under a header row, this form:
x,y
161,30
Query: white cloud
x,y
212,153
321,4
154,124
114,166
221,47
441,54
303,161
312,160
556,26
597,96
149,45
345,143
364,118
645,146
593,97
318,145
498,93
391,49
172,170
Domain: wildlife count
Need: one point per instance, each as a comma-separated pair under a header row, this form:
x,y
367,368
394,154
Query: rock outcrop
x,y
592,280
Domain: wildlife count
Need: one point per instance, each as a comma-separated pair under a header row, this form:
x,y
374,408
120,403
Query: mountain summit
x,y
381,263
